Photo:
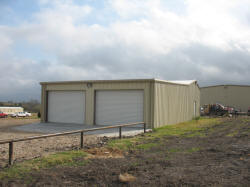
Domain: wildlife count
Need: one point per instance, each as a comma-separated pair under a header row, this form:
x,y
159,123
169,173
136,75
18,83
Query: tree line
x,y
30,106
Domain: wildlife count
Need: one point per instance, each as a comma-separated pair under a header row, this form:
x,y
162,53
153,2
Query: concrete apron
x,y
50,128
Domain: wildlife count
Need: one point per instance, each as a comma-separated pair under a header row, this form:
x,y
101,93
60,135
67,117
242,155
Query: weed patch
x,y
146,146
194,127
186,129
69,158
122,144
232,134
192,150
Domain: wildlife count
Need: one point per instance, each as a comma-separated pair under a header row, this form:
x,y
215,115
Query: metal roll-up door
x,y
118,107
66,107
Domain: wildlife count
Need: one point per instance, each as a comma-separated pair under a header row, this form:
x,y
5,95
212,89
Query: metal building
x,y
11,110
110,102
237,96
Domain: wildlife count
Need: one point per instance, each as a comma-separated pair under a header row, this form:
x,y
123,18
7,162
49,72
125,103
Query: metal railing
x,y
11,141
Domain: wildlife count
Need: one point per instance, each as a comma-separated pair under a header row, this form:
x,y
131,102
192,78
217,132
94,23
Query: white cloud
x,y
5,42
144,40
63,11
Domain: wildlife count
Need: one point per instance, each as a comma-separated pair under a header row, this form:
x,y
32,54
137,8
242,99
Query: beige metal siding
x,y
229,95
164,103
44,99
175,103
11,110
90,95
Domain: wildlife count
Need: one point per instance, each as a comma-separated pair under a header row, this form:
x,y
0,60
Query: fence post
x,y
10,153
81,140
144,127
120,132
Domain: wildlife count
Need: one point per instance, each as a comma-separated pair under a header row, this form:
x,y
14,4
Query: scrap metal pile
x,y
218,110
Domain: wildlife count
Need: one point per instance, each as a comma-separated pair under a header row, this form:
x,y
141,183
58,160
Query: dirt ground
x,y
7,123
10,122
221,158
36,148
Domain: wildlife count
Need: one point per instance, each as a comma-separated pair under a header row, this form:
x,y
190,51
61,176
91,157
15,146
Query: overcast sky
x,y
56,40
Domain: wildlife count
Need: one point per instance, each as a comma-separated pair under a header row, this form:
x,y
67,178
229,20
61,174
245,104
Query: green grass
x,y
146,146
186,129
69,158
232,134
122,144
126,144
174,150
192,150
246,120
196,118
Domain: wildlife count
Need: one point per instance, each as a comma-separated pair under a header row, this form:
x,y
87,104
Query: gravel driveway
x,y
48,128
15,128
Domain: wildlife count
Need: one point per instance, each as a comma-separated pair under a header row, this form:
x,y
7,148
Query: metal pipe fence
x,y
11,141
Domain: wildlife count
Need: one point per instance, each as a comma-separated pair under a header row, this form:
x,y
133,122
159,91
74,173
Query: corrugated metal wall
x,y
175,103
229,95
90,96
164,103
11,110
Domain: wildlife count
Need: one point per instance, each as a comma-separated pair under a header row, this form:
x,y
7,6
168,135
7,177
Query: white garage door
x,y
66,106
118,107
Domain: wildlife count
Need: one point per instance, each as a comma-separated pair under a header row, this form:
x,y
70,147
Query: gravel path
x,y
36,148
40,147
